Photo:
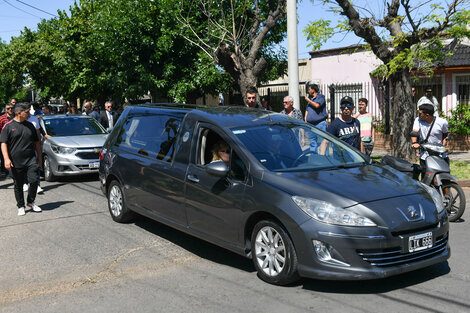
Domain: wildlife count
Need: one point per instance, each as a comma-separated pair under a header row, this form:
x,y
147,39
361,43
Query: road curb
x,y
464,183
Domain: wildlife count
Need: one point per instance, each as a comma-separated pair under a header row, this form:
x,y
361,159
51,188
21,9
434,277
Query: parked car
x,y
74,145
294,199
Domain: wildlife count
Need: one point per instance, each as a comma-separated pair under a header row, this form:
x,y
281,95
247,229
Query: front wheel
x,y
48,174
454,200
273,253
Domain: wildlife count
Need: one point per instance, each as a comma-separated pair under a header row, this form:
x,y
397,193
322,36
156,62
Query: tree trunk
x,y
247,80
403,114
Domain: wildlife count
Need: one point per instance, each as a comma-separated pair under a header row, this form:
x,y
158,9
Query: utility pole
x,y
292,52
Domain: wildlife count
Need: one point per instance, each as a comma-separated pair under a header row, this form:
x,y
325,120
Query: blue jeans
x,y
313,138
321,125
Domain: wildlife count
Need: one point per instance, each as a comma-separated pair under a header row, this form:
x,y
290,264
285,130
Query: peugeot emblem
x,y
412,214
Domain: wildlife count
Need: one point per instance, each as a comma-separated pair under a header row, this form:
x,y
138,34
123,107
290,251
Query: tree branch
x,y
364,29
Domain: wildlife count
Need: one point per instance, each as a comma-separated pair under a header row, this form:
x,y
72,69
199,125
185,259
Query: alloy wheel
x,y
115,200
270,251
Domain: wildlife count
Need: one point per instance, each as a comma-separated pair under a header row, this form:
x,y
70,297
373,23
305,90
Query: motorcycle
x,y
436,174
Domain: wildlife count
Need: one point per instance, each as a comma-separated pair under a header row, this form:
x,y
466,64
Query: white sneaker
x,y
40,190
25,187
21,211
34,207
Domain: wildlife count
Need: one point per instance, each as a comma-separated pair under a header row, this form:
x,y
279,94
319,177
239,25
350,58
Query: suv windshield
x,y
292,147
72,126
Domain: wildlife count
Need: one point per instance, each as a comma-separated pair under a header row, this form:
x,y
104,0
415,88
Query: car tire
x,y
48,174
117,204
273,253
454,199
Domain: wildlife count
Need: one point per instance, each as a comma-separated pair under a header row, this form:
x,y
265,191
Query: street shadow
x,y
196,246
51,187
54,205
379,285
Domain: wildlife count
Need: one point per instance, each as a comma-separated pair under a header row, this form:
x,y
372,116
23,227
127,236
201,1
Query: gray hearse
x,y
297,201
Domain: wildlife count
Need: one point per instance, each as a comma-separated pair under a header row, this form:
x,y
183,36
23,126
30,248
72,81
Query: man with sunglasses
x,y
5,118
429,98
346,127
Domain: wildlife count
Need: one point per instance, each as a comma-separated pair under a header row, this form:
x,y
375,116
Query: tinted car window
x,y
72,126
284,147
150,134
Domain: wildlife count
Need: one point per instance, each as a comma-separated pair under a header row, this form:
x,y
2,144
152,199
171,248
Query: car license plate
x,y
420,242
94,164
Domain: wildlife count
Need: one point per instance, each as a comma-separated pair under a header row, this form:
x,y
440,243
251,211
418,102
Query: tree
x,y
241,37
406,37
115,49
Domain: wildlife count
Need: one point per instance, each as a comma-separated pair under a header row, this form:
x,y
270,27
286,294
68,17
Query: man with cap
x,y
346,127
426,123
429,98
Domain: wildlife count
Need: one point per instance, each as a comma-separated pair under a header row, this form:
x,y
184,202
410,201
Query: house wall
x,y
344,68
341,68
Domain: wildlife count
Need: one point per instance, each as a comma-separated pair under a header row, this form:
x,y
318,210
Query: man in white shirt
x,y
423,124
108,118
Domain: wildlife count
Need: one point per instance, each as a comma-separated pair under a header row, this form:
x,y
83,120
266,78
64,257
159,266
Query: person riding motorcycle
x,y
431,129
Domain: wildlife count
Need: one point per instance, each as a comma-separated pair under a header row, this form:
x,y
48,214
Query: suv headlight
x,y
436,197
328,213
62,150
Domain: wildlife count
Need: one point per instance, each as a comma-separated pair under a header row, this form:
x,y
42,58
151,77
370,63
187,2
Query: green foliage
x,y
109,49
318,32
459,122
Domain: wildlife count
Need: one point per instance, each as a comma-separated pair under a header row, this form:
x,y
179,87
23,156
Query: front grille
x,y
394,256
88,155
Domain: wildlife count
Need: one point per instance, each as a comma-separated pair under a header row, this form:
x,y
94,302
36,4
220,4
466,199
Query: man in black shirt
x,y
21,151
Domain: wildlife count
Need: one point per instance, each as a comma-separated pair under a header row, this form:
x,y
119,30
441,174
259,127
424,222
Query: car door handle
x,y
193,178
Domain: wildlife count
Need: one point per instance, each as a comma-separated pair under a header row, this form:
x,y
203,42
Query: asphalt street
x,y
73,258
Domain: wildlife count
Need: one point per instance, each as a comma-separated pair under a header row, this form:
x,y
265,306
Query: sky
x,y
17,14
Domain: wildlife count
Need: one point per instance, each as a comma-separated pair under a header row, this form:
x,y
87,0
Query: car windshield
x,y
72,126
295,146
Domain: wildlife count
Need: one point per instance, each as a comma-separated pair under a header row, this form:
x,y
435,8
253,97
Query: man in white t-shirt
x,y
437,134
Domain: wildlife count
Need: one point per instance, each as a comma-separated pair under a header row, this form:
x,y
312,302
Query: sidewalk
x,y
454,156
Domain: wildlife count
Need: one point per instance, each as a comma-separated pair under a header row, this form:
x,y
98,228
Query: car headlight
x,y
62,150
436,197
328,213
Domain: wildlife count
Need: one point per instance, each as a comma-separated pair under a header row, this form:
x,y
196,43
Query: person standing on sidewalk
x,y
367,126
21,150
315,113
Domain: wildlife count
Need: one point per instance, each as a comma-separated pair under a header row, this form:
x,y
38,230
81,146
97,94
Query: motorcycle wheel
x,y
454,200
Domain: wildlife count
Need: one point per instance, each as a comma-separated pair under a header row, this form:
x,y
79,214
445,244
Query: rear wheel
x,y
273,253
48,174
454,200
117,204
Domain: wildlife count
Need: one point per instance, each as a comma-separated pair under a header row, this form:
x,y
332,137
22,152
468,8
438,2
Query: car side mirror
x,y
218,168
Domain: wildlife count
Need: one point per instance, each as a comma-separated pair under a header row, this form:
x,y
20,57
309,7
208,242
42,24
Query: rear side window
x,y
150,134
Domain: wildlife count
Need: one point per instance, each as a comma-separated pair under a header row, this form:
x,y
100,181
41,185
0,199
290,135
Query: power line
x,y
21,9
29,5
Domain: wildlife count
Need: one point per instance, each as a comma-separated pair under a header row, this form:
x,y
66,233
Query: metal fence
x,y
333,94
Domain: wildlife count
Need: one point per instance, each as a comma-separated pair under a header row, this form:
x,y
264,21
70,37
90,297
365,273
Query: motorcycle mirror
x,y
414,134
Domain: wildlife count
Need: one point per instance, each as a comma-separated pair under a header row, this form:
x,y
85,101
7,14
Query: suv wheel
x,y
117,204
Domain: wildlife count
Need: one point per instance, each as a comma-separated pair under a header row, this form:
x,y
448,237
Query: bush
x,y
459,122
